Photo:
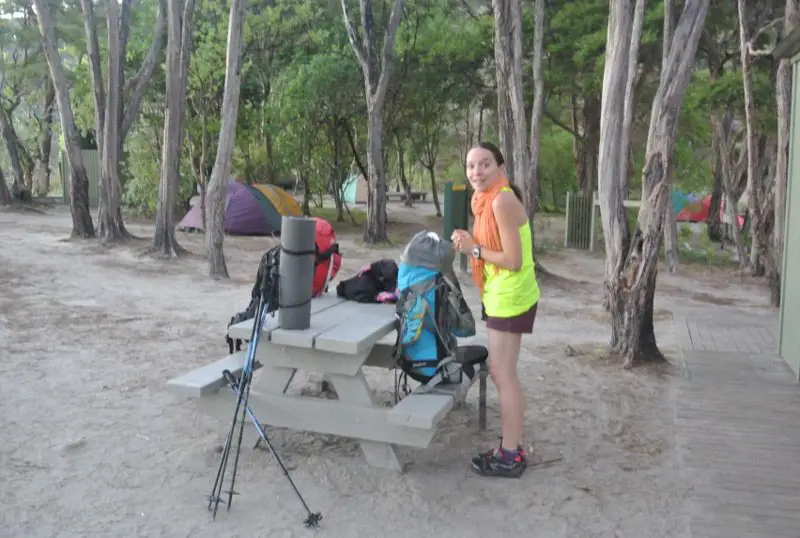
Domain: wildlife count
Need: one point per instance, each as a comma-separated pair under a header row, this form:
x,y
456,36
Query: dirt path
x,y
93,445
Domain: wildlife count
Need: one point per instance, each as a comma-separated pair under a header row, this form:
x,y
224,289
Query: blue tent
x,y
354,190
681,199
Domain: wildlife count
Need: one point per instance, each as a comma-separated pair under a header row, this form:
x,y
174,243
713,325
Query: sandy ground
x,y
91,443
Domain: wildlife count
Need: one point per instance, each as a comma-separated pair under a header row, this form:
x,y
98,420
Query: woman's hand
x,y
463,241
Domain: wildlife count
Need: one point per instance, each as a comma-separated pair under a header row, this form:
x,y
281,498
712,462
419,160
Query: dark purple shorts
x,y
522,323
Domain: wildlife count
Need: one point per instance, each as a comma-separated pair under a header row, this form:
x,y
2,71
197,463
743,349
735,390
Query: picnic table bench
x,y
344,336
401,196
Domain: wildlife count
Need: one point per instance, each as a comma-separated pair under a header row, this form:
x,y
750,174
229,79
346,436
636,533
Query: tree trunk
x,y
111,125
179,49
671,227
633,290
5,195
783,97
401,165
434,190
503,61
671,257
616,118
376,83
215,232
302,179
611,180
82,225
428,155
41,184
714,223
630,90
204,174
761,263
479,134
589,145
531,189
375,231
510,98
524,150
753,186
95,78
516,93
338,172
508,56
468,139
732,171
109,219
715,229
13,148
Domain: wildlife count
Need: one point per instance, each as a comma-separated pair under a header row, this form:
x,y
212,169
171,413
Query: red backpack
x,y
327,260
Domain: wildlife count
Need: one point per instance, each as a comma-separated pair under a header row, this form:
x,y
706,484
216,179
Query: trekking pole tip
x,y
313,519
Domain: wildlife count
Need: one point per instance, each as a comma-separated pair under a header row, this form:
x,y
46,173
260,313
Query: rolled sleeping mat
x,y
296,270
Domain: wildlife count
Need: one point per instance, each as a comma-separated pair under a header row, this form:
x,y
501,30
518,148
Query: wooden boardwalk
x,y
738,427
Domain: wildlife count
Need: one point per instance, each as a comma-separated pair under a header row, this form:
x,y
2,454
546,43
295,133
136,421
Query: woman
x,y
501,257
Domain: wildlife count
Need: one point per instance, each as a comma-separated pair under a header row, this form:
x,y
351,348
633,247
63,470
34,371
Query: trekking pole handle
x,y
269,276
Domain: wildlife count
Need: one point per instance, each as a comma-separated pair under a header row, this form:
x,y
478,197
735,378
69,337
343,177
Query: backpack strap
x,y
449,371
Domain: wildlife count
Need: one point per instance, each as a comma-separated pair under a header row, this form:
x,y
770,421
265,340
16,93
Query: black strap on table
x,y
299,252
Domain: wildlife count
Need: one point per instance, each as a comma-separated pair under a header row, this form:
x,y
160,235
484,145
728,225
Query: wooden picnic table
x,y
344,336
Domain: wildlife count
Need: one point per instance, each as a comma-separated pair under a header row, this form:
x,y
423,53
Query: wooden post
x,y
594,203
566,228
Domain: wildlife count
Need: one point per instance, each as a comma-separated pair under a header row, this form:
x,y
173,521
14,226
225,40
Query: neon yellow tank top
x,y
511,293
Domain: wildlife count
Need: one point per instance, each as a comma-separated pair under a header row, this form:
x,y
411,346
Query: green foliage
x,y
302,110
556,167
576,43
141,192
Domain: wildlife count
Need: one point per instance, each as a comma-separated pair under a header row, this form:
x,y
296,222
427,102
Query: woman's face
x,y
482,169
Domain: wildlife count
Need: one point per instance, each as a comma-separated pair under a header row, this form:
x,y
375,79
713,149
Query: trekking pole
x,y
242,394
313,518
241,387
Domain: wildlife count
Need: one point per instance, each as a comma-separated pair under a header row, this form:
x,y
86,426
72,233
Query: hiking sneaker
x,y
523,455
498,462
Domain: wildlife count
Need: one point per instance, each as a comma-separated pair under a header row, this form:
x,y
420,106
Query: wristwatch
x,y
476,252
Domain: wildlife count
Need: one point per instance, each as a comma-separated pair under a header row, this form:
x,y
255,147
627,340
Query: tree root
x,y
544,275
647,355
166,251
118,236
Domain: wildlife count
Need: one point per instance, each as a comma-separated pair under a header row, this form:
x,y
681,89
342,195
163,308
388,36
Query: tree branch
x,y
124,28
146,71
768,26
558,123
759,52
93,44
353,147
388,47
469,10
355,41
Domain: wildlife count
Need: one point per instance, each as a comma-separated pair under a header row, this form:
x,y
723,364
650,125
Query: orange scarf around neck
x,y
485,230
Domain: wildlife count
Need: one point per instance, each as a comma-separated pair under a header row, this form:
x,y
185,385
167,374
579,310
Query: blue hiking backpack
x,y
431,313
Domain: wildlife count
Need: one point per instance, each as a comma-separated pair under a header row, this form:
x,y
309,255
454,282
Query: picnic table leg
x,y
275,379
355,389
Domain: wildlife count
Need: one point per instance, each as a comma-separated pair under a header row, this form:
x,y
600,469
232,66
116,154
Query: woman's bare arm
x,y
510,215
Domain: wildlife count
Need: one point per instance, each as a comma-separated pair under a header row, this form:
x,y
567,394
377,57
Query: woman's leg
x,y
503,357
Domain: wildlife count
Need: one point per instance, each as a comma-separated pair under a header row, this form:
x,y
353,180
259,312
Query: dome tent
x,y
249,210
